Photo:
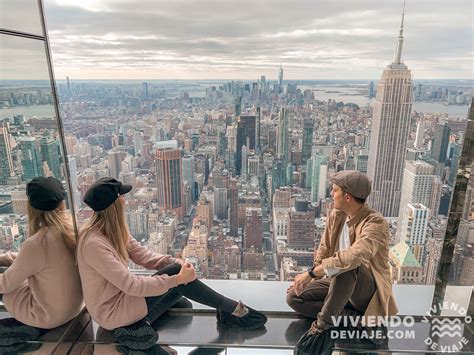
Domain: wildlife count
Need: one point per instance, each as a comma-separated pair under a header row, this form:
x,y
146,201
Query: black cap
x,y
104,192
45,193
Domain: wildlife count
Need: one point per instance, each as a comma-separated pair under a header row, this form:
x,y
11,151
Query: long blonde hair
x,y
58,219
111,223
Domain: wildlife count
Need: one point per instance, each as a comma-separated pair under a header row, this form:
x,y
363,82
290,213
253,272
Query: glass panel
x,y
29,139
233,175
21,15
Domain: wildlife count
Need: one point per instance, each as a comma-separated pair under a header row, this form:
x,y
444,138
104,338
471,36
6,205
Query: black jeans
x,y
196,291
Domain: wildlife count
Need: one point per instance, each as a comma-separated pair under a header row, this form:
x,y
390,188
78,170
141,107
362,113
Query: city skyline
x,y
191,40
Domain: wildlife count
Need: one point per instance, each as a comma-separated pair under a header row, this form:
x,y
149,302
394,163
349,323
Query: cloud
x,y
191,39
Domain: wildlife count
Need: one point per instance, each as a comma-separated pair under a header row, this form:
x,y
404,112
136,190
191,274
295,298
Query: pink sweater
x,y
113,295
42,287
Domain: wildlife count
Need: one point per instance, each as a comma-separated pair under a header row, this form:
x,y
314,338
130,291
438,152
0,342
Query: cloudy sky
x,y
243,39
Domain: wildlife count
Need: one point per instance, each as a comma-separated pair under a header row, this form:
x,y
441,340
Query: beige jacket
x,y
369,235
42,287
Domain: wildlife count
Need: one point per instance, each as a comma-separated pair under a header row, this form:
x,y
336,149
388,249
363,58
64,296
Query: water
x,y
355,95
40,111
338,93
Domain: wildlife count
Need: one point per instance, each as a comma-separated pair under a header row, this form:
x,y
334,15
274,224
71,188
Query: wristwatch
x,y
310,272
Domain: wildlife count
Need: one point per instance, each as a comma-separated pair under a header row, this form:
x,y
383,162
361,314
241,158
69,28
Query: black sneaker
x,y
252,320
315,341
138,336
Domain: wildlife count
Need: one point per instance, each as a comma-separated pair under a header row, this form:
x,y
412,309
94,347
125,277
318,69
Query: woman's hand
x,y
180,261
7,259
186,274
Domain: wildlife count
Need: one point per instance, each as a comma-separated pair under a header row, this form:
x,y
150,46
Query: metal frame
x,y
58,117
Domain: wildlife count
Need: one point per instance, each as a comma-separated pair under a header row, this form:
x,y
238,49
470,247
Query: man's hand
x,y
319,271
301,281
7,259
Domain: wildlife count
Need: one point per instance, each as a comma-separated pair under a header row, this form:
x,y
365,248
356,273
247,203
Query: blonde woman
x,y
127,303
42,287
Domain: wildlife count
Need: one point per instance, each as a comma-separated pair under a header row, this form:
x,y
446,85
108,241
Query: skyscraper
x,y
50,152
30,158
169,180
6,162
414,228
233,207
246,127
280,77
420,133
307,138
419,186
253,228
390,128
258,147
439,148
282,149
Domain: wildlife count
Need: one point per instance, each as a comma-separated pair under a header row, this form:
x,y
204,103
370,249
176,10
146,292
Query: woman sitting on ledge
x,y
127,303
42,287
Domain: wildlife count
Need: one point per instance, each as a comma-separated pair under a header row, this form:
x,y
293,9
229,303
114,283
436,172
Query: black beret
x,y
104,192
45,193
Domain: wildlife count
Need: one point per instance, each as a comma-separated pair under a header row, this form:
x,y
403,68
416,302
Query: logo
x,y
447,333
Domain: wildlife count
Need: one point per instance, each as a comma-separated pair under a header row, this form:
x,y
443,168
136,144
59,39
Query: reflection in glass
x,y
21,15
29,139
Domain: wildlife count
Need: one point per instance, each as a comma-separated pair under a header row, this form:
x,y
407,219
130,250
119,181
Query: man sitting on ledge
x,y
351,271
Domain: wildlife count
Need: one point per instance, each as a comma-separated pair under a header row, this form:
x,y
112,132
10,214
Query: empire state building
x,y
389,134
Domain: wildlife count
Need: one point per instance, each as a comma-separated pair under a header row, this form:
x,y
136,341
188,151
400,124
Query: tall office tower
x,y
454,152
115,163
6,162
258,148
76,195
319,175
278,174
282,150
414,227
30,158
434,248
245,136
145,90
253,228
220,203
244,169
420,134
169,180
238,107
309,173
253,164
205,212
308,125
233,207
280,77
361,162
439,149
419,186
301,226
50,152
231,135
389,134
188,171
68,86
137,142
371,90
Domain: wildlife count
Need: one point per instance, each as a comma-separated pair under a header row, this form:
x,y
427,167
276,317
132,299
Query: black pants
x,y
196,291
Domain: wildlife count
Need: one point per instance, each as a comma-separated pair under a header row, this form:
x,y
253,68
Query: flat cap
x,y
353,182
